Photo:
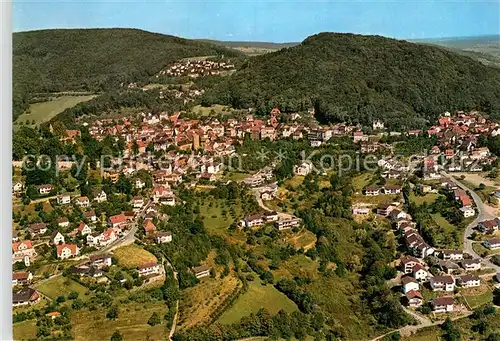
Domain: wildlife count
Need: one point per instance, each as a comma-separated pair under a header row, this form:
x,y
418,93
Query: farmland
x,y
61,286
131,256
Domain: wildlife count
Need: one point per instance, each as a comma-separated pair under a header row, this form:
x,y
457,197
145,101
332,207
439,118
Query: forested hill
x,y
94,59
360,78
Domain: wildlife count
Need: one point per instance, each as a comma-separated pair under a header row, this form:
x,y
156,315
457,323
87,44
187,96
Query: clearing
x,y
61,286
419,200
44,111
212,110
25,330
131,256
258,296
131,322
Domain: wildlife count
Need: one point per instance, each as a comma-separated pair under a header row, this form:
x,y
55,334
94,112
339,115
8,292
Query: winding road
x,y
483,214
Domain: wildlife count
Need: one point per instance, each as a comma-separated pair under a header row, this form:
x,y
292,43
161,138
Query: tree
x,y
73,295
117,336
154,319
112,313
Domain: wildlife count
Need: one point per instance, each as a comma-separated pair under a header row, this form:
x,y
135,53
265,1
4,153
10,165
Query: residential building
x,y
492,244
26,296
419,273
21,278
468,281
23,249
287,224
57,238
453,255
63,199
149,269
440,283
409,283
65,251
37,229
414,298
407,263
442,304
303,169
471,264
201,271
163,237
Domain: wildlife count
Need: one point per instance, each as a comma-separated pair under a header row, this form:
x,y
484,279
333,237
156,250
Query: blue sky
x,y
277,21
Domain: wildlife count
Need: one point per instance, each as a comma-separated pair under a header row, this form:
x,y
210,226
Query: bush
x,y
154,319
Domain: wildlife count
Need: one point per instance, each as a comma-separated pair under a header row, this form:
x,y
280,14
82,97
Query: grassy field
x,y
429,198
131,322
235,176
361,181
61,286
205,111
477,300
131,256
258,296
216,223
44,111
25,330
303,239
441,221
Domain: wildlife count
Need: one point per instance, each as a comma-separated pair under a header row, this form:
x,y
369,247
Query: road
x,y
281,215
129,236
483,214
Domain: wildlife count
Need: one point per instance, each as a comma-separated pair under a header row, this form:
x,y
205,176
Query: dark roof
x,y
408,279
201,268
444,279
446,300
24,295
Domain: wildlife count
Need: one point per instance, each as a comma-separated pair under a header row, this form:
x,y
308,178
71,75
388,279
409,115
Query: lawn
x,y
131,322
429,198
441,221
44,111
235,176
258,296
478,300
133,255
361,181
61,286
25,330
216,223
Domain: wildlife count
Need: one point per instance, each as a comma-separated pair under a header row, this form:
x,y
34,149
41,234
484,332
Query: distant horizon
x,y
264,41
266,20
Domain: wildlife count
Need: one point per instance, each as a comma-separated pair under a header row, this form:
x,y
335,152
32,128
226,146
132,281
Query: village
x,y
174,151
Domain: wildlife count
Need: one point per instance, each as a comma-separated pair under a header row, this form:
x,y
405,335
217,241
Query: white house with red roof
x,y
82,201
66,251
21,250
117,220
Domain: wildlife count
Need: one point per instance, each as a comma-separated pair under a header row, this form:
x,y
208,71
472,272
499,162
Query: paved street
x,y
483,214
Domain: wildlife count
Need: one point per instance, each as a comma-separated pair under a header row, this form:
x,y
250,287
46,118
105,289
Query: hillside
x,y
94,59
361,78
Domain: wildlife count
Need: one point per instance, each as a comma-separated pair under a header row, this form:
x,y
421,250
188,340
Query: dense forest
x,y
94,59
348,77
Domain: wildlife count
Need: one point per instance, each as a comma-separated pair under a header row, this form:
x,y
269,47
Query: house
x,y
252,220
439,283
23,249
37,229
361,210
358,136
139,184
53,315
447,266
83,229
384,209
407,263
24,297
201,271
419,273
414,298
267,195
15,236
90,216
468,281
467,211
492,244
378,125
21,278
45,189
149,269
117,220
63,199
163,237
270,216
287,224
93,239
372,191
101,197
392,189
303,169
62,222
149,227
471,264
57,238
409,283
137,203
65,251
160,191
100,261
452,255
82,202
167,200
442,304
86,269
489,226
17,187
396,215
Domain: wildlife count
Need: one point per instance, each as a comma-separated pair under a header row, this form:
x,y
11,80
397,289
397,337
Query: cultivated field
x,y
44,111
131,256
258,296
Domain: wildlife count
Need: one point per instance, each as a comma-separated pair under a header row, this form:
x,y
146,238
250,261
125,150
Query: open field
x,y
298,265
441,221
303,239
44,111
25,330
131,256
361,181
216,223
61,286
206,111
131,322
480,296
197,303
429,198
258,296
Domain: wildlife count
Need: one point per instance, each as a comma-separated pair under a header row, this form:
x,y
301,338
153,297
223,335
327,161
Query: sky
x,y
264,20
